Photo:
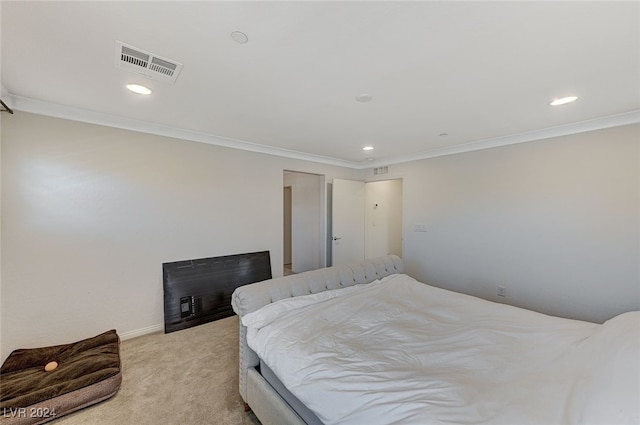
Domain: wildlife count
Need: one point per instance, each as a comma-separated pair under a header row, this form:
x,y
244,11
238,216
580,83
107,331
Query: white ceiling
x,y
482,72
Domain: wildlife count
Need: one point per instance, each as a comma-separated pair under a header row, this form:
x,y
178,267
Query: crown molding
x,y
632,117
76,114
39,107
6,97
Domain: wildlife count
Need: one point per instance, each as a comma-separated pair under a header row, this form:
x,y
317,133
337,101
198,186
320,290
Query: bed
x,y
365,343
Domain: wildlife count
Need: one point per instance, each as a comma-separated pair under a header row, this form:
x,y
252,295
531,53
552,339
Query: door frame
x,y
368,213
287,226
322,208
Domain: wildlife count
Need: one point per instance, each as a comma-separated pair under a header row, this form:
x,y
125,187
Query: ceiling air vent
x,y
150,65
380,170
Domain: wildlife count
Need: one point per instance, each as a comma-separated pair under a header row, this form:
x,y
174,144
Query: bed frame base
x,y
267,404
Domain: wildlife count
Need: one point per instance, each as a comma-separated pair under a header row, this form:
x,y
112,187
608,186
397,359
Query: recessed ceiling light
x,y
239,37
138,89
367,148
563,100
364,98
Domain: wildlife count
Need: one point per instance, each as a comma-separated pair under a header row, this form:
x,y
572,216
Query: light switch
x,y
419,227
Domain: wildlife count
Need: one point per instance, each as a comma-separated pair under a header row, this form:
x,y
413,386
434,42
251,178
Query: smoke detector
x,y
147,64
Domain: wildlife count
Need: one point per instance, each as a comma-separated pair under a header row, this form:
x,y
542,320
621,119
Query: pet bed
x,y
78,375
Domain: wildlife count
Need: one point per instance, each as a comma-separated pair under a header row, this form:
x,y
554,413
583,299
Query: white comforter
x,y
402,352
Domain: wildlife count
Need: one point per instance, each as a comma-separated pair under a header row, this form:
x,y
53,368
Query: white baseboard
x,y
140,332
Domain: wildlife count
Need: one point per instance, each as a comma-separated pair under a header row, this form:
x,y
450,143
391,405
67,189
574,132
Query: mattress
x,y
398,351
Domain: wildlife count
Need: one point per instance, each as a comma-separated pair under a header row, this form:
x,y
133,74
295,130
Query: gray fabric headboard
x,y
249,298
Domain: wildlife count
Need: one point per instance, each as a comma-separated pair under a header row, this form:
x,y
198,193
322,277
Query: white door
x,y
348,221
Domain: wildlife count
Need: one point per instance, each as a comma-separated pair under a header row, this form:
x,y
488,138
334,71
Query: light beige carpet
x,y
184,377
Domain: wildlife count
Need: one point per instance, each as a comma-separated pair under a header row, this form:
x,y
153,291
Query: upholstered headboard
x,y
249,298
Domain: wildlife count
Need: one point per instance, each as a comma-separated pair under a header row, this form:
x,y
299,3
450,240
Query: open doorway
x,y
366,220
304,222
383,217
288,268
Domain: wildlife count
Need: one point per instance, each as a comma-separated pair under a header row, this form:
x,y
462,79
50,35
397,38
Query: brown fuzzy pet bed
x,y
87,372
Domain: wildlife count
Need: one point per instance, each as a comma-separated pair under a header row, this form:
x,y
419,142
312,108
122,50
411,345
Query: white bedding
x,y
398,351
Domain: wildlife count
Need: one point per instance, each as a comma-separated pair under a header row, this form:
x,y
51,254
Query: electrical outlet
x,y
502,291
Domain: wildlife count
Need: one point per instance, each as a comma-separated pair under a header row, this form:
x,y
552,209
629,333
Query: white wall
x,y
90,213
556,221
383,211
307,221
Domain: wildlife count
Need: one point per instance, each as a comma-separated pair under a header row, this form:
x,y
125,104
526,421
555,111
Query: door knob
x,y
335,239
